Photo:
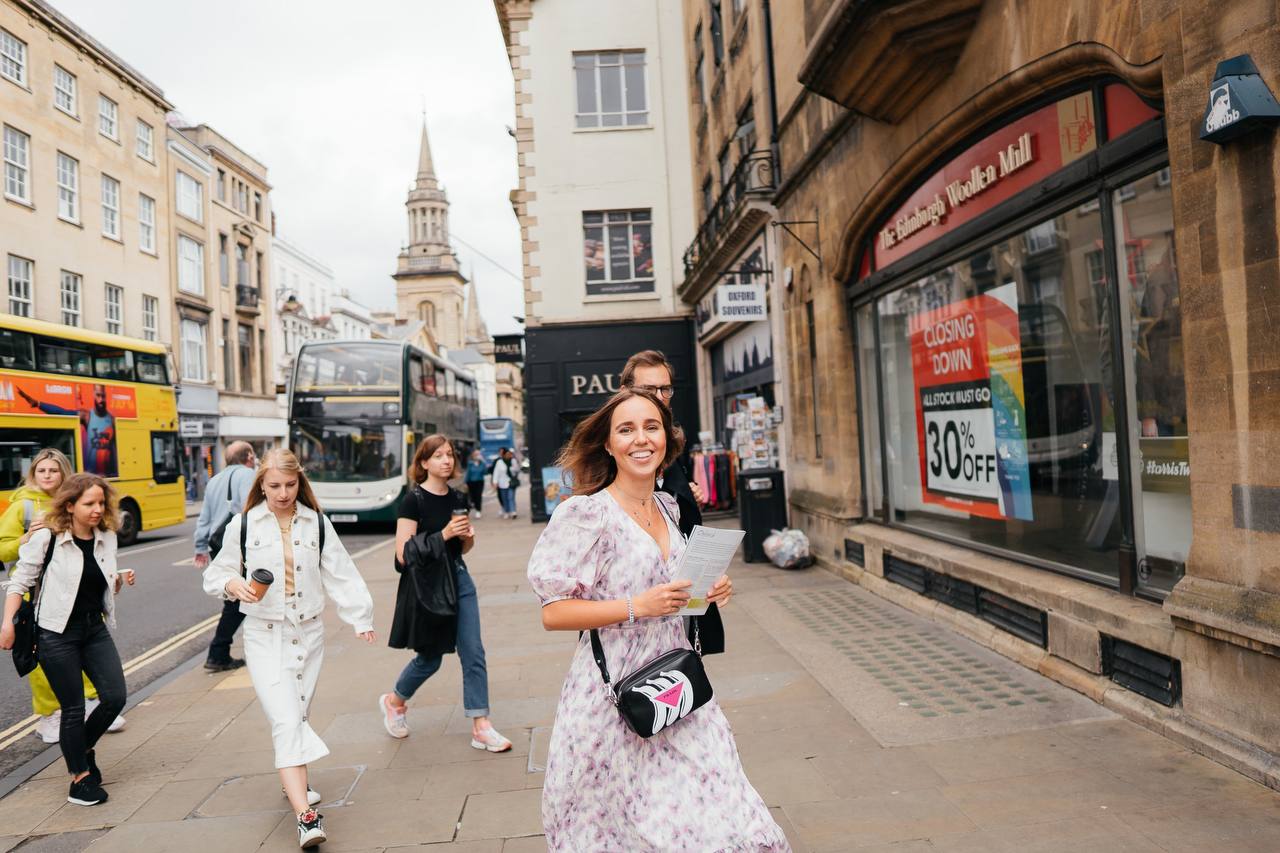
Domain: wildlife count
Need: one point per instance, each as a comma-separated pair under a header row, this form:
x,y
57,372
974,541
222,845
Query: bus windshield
x,y
360,367
345,452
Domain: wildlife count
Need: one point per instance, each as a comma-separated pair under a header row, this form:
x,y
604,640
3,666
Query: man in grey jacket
x,y
234,481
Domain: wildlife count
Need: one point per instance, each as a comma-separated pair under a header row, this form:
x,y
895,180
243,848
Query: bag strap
x,y
696,620
38,590
244,538
597,650
231,478
28,509
320,516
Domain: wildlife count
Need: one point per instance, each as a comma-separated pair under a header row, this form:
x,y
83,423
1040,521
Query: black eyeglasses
x,y
666,392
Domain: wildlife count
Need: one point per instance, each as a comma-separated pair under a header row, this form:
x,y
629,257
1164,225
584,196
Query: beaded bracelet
x,y
631,612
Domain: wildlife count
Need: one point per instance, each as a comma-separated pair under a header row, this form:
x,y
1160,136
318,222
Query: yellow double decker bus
x,y
104,400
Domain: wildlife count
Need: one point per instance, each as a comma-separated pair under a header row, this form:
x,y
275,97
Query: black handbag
x,y
25,629
660,693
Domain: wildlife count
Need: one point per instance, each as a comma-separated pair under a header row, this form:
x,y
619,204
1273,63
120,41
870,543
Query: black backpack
x,y
215,538
244,537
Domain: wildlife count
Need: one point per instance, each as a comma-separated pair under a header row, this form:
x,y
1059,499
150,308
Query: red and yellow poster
x,y
966,361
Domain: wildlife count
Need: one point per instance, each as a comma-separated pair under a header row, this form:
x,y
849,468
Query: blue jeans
x,y
475,675
507,497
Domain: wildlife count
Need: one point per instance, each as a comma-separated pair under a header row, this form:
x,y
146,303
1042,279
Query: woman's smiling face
x,y
637,439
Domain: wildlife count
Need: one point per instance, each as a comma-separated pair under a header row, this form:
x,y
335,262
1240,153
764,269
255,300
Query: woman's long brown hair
x,y
282,460
58,516
588,465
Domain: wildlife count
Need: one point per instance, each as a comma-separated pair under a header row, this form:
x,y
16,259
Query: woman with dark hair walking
x,y
285,533
605,562
75,612
436,510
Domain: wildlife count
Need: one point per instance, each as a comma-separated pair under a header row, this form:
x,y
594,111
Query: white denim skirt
x,y
284,660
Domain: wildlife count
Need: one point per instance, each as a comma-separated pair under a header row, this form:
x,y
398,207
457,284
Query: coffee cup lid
x,y
263,576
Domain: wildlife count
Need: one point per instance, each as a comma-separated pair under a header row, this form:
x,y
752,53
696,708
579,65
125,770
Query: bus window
x,y
18,446
151,368
416,379
113,364
53,358
451,386
441,386
17,350
349,366
164,457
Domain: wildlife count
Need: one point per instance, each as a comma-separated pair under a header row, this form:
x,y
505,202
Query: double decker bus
x,y
104,400
495,434
356,412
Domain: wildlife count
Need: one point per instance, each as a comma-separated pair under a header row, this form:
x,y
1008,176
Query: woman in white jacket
x,y
283,633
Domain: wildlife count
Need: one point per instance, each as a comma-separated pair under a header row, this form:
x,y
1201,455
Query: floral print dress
x,y
606,789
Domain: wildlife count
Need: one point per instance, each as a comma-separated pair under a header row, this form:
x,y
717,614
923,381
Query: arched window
x,y
427,313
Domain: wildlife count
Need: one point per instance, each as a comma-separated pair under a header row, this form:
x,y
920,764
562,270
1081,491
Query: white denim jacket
x,y
314,577
62,580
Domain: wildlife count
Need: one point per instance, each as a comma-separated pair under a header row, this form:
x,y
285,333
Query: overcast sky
x,y
330,97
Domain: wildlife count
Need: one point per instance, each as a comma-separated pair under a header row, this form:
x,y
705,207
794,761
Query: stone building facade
x,y
1031,374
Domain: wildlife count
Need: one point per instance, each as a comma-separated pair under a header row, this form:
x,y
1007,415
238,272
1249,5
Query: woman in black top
x,y
432,507
75,609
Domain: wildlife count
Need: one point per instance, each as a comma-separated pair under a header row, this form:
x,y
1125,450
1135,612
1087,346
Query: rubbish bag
x,y
787,548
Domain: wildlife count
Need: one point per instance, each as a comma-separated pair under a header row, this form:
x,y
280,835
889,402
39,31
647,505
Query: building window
x,y
618,249
70,299
190,265
228,361
699,71
17,165
257,270
707,200
242,265
427,314
146,223
115,314
242,197
257,206
13,57
110,207
150,318
194,351
262,363
745,134
146,141
68,188
222,185
20,275
610,89
108,118
717,33
1041,238
190,197
725,161
245,340
224,262
813,376
64,90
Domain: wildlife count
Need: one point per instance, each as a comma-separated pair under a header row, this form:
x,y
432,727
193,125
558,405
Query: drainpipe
x,y
773,93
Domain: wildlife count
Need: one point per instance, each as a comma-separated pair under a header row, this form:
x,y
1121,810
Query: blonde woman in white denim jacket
x,y
283,632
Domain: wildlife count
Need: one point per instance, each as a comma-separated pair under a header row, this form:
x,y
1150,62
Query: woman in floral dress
x,y
605,561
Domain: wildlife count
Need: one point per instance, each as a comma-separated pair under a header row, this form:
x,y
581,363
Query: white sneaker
x,y
117,725
392,720
491,741
479,515
50,726
313,797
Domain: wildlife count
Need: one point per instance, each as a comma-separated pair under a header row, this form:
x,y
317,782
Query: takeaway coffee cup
x,y
259,581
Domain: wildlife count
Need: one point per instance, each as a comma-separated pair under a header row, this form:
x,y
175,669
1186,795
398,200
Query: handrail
x,y
753,174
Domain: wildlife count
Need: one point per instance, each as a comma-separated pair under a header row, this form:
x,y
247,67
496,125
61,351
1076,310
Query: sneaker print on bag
x,y
671,695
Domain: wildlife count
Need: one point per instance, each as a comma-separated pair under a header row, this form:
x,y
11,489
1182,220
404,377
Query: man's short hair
x,y
239,452
645,358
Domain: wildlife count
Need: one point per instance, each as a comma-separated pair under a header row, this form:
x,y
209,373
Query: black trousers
x,y
85,645
476,490
220,648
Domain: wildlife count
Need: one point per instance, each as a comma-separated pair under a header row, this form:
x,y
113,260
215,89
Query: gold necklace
x,y
644,505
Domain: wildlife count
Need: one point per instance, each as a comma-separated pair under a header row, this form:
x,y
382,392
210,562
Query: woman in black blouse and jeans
x,y
430,508
75,610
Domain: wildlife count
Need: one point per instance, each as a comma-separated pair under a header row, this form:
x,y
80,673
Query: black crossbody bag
x,y
26,632
661,692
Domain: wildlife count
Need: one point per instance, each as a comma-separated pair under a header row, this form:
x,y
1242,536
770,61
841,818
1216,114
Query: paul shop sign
x,y
1018,156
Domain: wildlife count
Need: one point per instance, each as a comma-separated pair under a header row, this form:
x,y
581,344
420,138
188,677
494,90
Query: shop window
x,y
869,414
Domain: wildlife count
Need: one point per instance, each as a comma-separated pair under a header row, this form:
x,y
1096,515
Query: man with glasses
x,y
650,371
224,496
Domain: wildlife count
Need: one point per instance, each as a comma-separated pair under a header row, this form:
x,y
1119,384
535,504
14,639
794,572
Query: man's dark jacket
x,y
675,482
426,614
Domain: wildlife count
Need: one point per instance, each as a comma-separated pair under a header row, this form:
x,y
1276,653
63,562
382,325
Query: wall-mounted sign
x,y
508,349
1239,101
741,296
191,429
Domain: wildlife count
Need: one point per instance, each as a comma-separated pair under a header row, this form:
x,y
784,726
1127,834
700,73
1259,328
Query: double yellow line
x,y
22,728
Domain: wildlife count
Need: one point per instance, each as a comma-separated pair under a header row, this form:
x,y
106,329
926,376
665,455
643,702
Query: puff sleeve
x,y
571,552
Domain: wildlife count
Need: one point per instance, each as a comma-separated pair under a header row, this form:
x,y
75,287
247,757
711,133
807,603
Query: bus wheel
x,y
130,523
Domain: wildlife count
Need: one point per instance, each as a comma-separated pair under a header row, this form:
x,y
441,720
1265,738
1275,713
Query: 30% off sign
x,y
960,452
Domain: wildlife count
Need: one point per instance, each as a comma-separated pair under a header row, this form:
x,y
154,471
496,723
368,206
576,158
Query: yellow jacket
x,y
11,522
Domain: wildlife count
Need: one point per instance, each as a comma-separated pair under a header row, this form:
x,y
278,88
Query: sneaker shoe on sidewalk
x,y
490,740
313,798
117,725
310,829
49,728
86,793
223,666
392,720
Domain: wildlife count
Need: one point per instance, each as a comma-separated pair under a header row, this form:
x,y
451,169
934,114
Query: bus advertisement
x,y
356,412
106,402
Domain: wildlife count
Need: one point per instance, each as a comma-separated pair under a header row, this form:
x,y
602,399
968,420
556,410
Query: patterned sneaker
x,y
392,720
310,829
490,740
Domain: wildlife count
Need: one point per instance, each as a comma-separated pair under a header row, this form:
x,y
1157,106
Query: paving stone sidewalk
x,y
864,727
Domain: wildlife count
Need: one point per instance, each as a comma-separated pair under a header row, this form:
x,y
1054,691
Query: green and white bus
x,y
357,410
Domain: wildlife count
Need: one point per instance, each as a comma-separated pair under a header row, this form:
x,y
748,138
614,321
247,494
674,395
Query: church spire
x,y
426,169
477,331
